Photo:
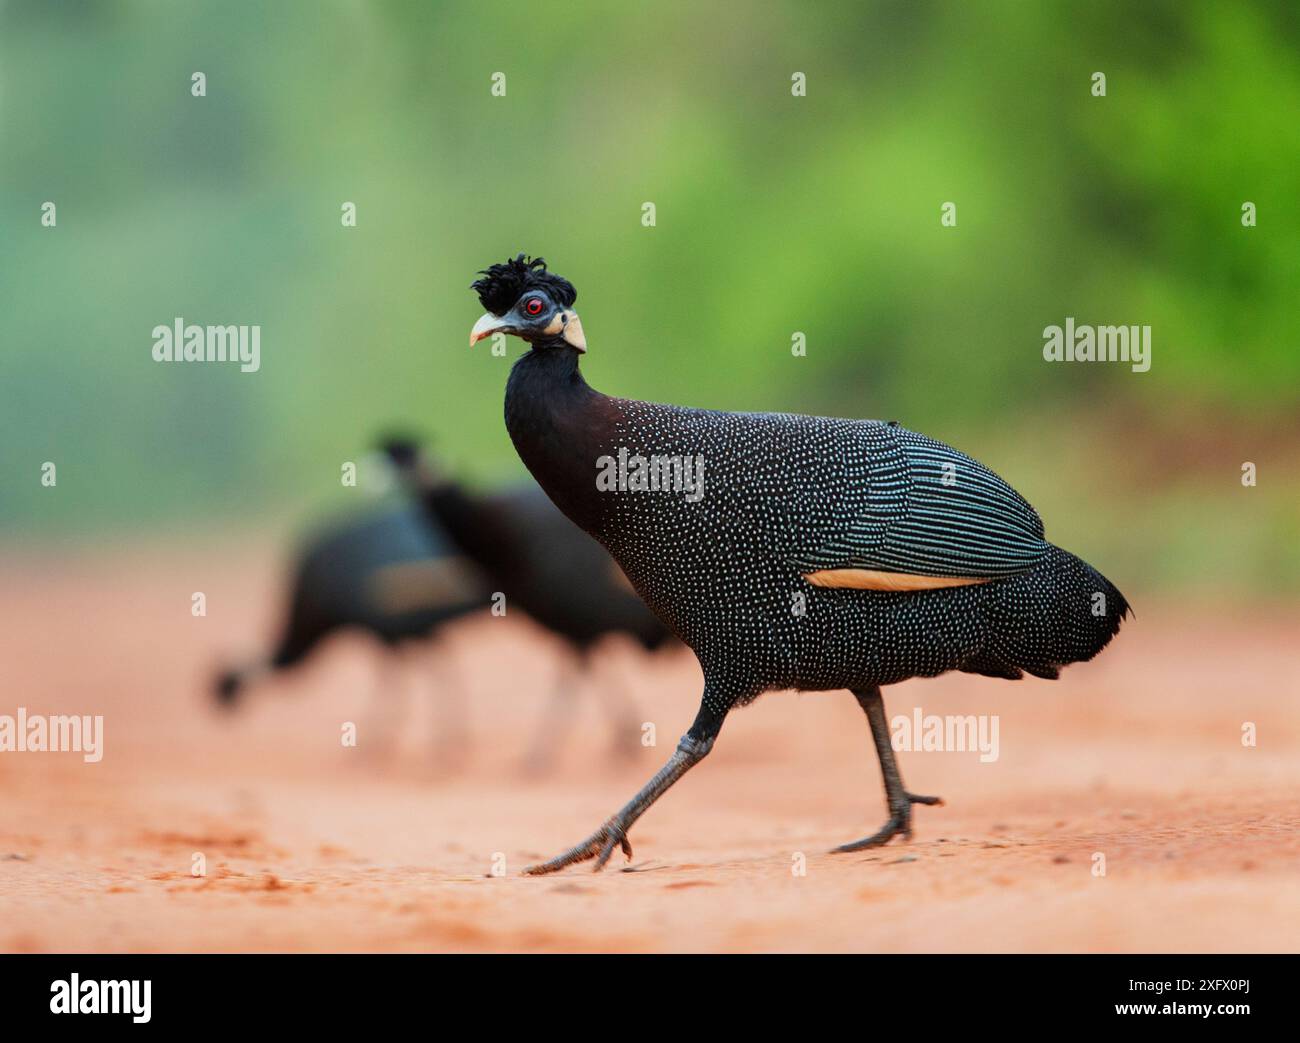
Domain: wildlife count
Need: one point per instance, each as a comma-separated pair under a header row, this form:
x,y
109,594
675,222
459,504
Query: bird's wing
x,y
917,508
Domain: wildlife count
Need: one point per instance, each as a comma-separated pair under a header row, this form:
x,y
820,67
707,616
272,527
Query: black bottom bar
x,y
501,992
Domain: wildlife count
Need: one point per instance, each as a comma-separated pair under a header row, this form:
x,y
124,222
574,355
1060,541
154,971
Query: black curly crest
x,y
503,284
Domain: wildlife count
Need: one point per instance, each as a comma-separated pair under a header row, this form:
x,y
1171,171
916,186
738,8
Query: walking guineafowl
x,y
546,566
788,551
388,573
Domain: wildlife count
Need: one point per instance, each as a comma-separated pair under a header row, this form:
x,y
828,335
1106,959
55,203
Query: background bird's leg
x,y
379,738
898,800
451,739
693,748
616,702
557,719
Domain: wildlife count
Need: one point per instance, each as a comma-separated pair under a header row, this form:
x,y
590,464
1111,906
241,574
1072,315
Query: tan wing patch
x,y
423,584
869,579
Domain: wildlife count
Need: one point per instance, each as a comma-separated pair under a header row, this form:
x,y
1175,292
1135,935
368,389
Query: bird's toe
x,y
884,835
616,836
600,845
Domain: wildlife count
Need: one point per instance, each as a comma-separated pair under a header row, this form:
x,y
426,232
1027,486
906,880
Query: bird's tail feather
x,y
1064,611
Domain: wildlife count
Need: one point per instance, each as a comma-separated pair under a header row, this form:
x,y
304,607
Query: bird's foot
x,y
900,821
600,845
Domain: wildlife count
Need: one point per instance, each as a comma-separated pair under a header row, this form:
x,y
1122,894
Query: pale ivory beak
x,y
485,327
571,330
566,324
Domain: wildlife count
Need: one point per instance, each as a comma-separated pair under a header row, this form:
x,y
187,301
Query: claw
x,y
600,845
881,837
616,837
900,822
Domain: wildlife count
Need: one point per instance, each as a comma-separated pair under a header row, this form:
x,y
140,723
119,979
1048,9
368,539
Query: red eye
x,y
533,306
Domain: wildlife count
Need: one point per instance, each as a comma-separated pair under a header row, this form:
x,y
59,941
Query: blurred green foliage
x,y
775,214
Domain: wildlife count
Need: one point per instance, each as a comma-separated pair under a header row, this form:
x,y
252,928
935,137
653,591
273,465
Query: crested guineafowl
x,y
388,573
547,567
789,551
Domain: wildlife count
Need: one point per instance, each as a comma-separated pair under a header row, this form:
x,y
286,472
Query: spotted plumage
x,y
786,497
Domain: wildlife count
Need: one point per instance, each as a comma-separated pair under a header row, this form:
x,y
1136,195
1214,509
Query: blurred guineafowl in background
x,y
387,573
805,552
545,566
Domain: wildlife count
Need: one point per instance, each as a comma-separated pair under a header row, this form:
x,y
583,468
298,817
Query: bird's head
x,y
524,299
412,463
402,450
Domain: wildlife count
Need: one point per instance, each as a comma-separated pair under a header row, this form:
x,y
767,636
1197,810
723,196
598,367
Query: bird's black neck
x,y
558,424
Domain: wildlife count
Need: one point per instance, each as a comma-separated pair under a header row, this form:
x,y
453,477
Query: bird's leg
x,y
451,733
693,748
624,723
382,732
557,720
898,800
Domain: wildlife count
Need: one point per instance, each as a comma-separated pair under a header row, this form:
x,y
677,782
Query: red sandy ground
x,y
311,846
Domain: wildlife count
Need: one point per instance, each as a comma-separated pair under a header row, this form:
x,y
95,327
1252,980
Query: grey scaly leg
x,y
898,800
693,748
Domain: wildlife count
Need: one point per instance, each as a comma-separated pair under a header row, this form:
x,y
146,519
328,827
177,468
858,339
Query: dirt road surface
x,y
1135,761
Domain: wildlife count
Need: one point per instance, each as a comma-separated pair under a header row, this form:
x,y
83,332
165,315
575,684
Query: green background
x,y
775,214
